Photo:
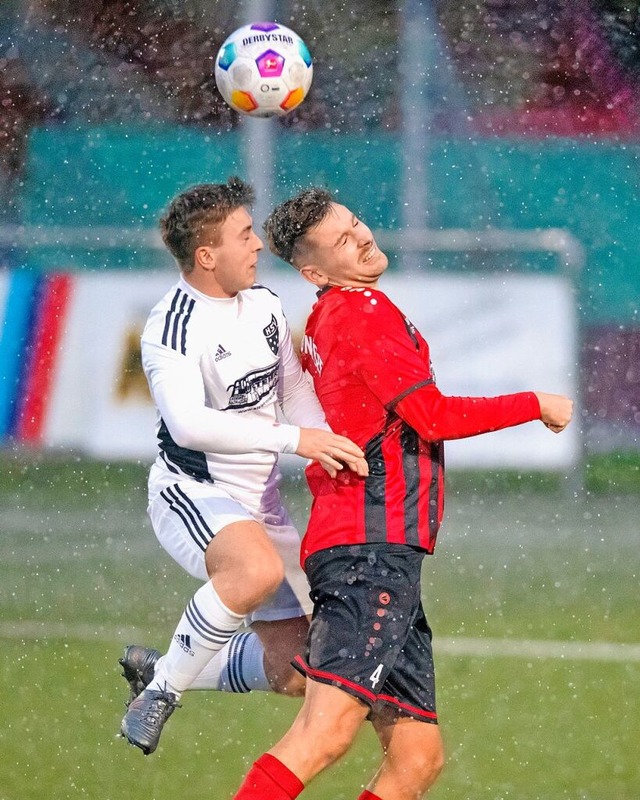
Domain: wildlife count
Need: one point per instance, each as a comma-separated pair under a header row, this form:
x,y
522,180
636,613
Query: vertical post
x,y
417,51
429,90
258,137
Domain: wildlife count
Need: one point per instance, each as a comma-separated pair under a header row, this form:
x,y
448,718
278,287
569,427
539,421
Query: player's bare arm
x,y
556,410
332,451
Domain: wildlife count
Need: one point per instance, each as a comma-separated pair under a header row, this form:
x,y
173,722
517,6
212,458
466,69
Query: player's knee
x,y
415,767
262,578
333,746
337,734
440,760
427,764
434,766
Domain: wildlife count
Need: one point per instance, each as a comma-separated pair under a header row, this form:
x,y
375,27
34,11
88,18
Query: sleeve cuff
x,y
289,438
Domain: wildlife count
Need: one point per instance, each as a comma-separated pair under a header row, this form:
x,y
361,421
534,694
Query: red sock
x,y
367,795
269,779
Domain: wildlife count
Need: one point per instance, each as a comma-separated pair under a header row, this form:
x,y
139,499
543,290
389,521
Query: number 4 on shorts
x,y
375,676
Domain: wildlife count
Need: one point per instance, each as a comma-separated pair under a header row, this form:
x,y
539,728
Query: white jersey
x,y
219,371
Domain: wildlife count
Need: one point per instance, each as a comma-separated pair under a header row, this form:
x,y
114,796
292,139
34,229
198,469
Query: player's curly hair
x,y
193,218
290,221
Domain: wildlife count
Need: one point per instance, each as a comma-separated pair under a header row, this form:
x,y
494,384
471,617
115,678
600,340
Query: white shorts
x,y
187,515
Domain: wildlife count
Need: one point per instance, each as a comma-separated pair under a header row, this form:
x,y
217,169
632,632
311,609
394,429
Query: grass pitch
x,y
81,573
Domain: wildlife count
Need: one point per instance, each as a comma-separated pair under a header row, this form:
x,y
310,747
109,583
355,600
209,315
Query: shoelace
x,y
162,703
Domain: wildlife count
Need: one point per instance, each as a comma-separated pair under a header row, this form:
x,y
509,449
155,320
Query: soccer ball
x,y
264,69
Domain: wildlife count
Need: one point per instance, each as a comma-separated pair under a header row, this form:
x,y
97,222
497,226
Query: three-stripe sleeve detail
x,y
176,320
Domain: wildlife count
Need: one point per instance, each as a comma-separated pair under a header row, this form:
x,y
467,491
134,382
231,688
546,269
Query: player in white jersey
x,y
230,396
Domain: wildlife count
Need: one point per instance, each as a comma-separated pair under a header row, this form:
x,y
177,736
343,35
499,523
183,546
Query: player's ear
x,y
313,275
204,257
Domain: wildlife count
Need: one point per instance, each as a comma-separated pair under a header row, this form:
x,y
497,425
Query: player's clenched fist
x,y
556,410
332,451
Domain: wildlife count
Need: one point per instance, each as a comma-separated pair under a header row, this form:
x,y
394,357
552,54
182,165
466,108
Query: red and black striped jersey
x,y
372,373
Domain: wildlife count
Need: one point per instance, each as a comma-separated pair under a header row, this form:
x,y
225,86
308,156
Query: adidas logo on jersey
x,y
221,353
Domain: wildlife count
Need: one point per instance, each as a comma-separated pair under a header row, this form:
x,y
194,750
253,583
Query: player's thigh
x,y
187,516
397,732
244,566
291,600
242,547
282,640
212,536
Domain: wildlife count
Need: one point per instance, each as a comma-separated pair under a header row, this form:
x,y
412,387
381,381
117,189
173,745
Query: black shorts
x,y
369,634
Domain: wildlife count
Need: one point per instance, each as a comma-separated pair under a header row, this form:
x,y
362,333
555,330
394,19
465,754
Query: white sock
x,y
205,628
238,667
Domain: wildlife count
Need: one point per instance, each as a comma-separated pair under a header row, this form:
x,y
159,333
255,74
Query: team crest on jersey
x,y
252,389
272,335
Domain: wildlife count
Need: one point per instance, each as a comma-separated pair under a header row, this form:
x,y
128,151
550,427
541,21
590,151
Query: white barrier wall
x,y
489,334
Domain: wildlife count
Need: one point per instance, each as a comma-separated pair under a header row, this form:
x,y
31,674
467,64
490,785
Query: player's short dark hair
x,y
290,221
194,216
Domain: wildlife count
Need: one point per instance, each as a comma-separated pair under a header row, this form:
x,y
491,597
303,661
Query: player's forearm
x,y
204,430
436,417
197,427
178,392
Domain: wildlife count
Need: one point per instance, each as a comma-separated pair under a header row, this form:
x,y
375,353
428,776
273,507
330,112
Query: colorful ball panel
x,y
264,69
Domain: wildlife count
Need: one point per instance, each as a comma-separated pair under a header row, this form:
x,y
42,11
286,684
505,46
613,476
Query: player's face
x,y
231,264
341,251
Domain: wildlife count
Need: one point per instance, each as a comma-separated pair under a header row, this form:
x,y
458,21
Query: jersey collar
x,y
324,290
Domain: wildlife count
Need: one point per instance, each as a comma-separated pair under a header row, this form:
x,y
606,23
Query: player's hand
x,y
556,410
332,451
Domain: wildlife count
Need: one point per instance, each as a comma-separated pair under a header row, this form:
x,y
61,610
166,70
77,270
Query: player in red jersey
x,y
369,647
